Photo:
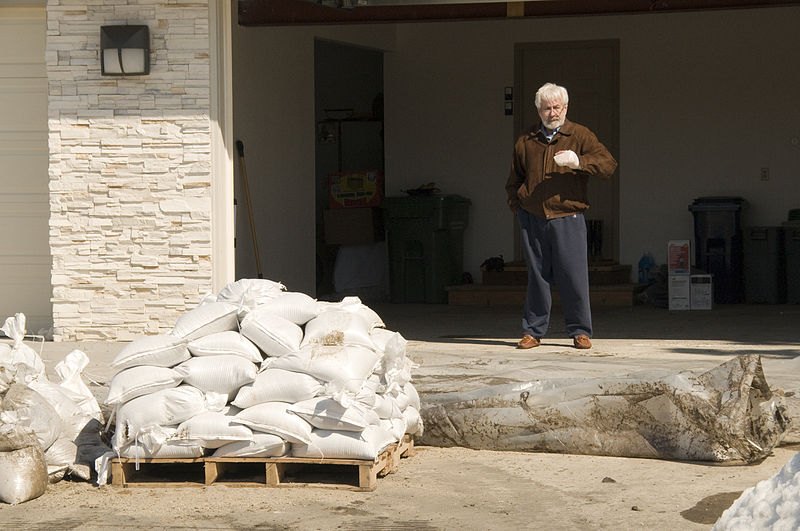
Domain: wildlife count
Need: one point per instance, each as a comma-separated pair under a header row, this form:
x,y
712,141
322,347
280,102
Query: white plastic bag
x,y
14,328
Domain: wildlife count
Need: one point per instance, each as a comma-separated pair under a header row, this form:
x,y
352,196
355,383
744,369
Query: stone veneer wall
x,y
130,170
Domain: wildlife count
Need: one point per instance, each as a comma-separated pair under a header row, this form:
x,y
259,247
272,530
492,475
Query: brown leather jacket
x,y
537,184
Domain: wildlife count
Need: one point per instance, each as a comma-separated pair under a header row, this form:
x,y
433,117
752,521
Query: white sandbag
x,y
60,457
354,305
248,293
328,444
218,374
206,319
337,327
328,414
395,426
70,370
375,383
346,366
386,407
168,450
33,410
23,475
273,417
56,397
277,385
293,306
380,337
413,395
228,342
20,353
213,429
140,380
402,400
261,445
162,408
395,366
273,334
413,420
159,351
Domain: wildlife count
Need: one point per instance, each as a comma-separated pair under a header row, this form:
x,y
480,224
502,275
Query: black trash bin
x,y
718,244
425,235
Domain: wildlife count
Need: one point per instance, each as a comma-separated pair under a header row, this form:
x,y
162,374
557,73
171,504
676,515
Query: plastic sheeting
x,y
726,414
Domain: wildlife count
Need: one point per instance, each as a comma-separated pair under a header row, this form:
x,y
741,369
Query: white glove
x,y
567,158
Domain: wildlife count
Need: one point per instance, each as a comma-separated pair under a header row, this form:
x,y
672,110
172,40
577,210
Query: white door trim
x,y
223,268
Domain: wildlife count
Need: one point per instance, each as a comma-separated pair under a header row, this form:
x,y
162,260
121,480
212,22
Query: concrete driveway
x,y
462,348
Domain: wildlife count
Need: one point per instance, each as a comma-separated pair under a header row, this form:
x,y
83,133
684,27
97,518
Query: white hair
x,y
551,92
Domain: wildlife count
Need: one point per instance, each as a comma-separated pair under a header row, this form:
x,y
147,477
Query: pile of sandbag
x,y
258,371
47,430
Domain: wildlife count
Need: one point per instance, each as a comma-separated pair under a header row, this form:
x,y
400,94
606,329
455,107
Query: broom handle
x,y
240,149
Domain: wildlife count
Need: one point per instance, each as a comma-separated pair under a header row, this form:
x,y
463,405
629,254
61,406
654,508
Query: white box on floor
x,y
679,292
701,292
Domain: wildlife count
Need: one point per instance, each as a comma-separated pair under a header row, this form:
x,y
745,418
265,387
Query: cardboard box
x,y
355,189
353,226
701,292
679,292
678,258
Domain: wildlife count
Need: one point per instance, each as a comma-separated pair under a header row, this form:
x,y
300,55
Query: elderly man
x,y
547,190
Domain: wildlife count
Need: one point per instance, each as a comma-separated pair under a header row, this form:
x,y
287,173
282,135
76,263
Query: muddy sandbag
x,y
33,410
727,413
23,475
13,435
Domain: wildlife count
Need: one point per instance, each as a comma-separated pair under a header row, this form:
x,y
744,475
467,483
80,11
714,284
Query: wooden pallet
x,y
351,474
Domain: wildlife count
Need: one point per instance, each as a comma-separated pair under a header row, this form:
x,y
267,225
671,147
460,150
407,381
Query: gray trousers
x,y
556,254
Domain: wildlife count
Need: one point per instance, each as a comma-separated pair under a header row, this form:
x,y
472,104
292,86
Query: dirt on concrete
x,y
459,488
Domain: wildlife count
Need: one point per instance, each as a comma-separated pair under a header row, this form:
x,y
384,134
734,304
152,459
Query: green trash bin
x,y
764,262
425,236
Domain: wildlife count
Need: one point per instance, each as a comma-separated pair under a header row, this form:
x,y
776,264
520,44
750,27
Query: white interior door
x,y
590,72
24,202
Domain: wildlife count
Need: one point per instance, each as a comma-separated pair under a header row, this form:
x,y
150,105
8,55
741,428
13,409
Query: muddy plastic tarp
x,y
726,414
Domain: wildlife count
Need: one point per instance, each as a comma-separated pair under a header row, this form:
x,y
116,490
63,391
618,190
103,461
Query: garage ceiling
x,y
302,12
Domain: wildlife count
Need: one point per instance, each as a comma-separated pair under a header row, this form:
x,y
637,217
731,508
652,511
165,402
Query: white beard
x,y
555,123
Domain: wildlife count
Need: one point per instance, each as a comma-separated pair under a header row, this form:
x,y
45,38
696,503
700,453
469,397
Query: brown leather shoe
x,y
528,341
582,341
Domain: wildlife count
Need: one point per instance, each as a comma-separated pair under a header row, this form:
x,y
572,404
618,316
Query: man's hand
x,y
568,158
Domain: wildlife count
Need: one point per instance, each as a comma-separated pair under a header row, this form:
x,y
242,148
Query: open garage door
x,y
24,202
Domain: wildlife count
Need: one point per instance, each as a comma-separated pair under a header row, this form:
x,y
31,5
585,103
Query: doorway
x,y
590,72
348,94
